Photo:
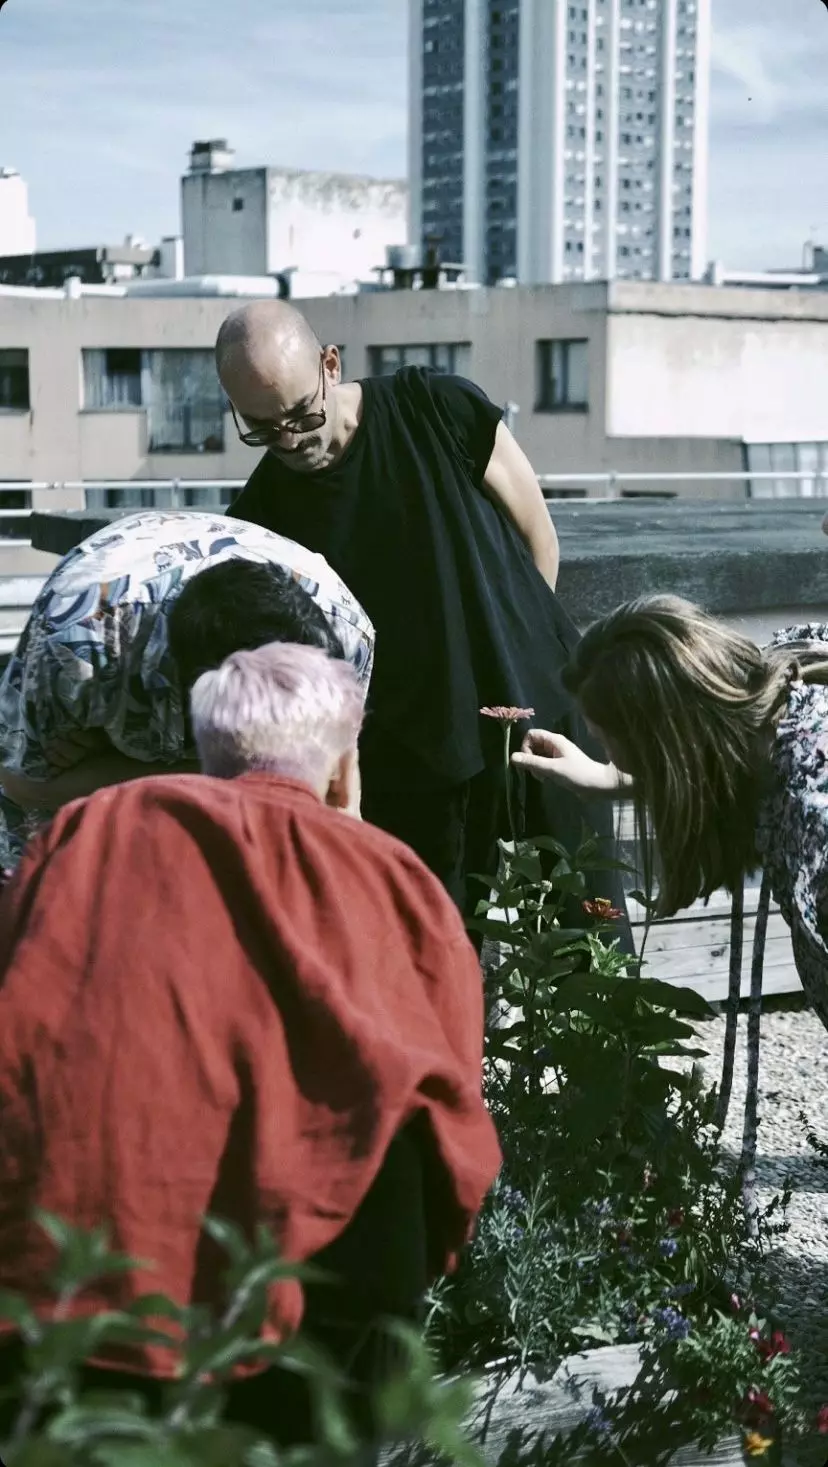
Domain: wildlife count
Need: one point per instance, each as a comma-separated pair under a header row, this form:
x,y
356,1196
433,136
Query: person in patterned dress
x,y
724,748
92,695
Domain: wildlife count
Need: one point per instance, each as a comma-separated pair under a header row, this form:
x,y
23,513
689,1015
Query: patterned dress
x,y
94,652
792,829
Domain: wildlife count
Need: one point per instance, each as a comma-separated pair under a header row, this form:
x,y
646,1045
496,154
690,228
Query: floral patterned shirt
x,y
94,652
792,829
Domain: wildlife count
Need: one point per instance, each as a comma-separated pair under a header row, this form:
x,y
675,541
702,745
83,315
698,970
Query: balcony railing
x,y
766,484
17,498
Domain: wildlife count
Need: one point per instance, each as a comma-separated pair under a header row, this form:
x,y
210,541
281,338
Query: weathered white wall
x,y
331,222
17,228
260,221
757,378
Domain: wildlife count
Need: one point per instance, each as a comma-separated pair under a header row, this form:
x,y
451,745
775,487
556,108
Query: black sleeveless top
x,y
462,615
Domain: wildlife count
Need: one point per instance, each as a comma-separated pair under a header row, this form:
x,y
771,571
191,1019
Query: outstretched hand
x,y
551,756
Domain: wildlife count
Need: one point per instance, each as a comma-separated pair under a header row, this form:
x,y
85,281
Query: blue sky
x,y
101,100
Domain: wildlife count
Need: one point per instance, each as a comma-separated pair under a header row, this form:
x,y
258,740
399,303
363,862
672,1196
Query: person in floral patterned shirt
x,y
724,748
92,694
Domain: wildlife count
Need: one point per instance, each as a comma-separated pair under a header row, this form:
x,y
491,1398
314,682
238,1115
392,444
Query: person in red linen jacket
x,y
222,993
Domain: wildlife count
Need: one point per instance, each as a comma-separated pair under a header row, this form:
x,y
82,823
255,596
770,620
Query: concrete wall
x,y
678,376
261,221
220,239
751,368
330,222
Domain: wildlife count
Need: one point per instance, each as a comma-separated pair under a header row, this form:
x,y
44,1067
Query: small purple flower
x,y
668,1247
675,1326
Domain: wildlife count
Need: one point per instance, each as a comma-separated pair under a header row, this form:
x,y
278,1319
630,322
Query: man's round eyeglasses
x,y
268,433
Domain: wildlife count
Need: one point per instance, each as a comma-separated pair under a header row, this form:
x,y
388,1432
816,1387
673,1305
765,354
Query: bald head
x,y
278,376
264,340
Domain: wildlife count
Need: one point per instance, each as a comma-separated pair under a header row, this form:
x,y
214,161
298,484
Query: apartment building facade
x,y
559,140
628,377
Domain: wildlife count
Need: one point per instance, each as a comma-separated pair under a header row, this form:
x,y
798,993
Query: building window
x,y
238,205
563,382
14,380
801,458
441,356
178,389
184,402
112,379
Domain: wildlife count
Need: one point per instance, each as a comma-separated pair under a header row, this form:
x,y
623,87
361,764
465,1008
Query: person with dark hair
x,y
92,695
416,492
237,606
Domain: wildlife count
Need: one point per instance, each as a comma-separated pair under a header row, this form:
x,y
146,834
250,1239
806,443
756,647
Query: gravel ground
x,y
793,1078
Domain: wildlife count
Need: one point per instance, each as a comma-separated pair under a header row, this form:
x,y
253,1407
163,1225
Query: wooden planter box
x,y
522,1406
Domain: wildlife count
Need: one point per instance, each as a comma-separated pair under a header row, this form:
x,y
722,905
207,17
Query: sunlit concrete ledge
x,y
737,559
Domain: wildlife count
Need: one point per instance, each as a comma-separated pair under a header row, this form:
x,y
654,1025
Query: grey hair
x,y
281,709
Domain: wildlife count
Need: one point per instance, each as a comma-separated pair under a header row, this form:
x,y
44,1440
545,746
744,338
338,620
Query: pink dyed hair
x,y
282,709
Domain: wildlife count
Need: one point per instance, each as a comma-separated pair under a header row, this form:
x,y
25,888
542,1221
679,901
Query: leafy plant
x,y
616,1218
57,1422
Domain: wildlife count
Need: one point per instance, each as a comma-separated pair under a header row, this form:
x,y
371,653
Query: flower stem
x,y
507,752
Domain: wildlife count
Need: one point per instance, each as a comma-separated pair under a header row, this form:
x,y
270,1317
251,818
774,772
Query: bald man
x,y
415,491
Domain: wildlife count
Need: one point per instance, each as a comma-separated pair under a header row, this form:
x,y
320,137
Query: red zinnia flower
x,y
759,1401
822,1421
602,909
508,715
778,1344
675,1217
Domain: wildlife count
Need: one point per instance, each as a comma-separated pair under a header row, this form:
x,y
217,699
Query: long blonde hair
x,y
689,705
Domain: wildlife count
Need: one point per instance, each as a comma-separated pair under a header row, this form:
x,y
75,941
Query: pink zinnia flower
x,y
822,1421
507,715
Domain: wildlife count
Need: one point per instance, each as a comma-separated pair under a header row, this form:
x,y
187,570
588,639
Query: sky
x,y
102,99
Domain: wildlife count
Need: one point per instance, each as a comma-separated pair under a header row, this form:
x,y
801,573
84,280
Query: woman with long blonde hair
x,y
723,747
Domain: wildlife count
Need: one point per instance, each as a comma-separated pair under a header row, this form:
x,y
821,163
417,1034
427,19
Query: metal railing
x,y
136,494
814,482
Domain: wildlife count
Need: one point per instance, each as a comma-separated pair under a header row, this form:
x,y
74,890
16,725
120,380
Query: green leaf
x,y
229,1237
142,1454
69,1342
102,1416
218,1355
649,903
159,1306
681,1000
15,1309
528,864
658,1027
546,843
594,1331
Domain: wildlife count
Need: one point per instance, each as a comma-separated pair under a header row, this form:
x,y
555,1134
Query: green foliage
x,y
58,1423
616,1219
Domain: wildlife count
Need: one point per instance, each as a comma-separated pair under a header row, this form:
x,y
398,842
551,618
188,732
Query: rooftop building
x,y
269,221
